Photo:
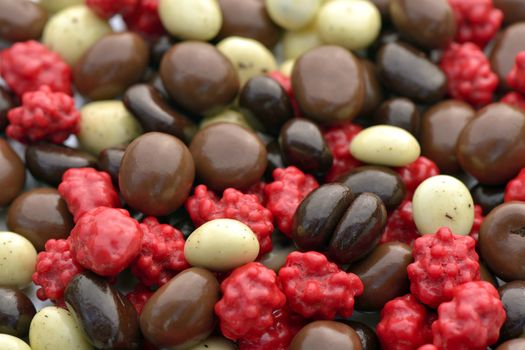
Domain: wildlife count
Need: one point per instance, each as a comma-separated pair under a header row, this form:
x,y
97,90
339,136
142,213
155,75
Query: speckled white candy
x,y
385,145
8,342
53,6
352,24
293,14
221,245
17,260
443,201
297,42
191,19
54,328
215,343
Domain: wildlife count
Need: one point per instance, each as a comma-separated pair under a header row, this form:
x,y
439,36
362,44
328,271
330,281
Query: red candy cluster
x,y
515,189
204,206
285,194
338,139
442,261
478,220
317,288
400,225
108,8
516,77
514,99
84,189
469,75
26,66
44,116
162,253
139,296
145,19
416,172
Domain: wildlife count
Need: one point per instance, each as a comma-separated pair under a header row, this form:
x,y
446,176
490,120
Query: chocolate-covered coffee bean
x,y
21,20
109,161
275,159
326,335
373,90
400,112
507,45
12,173
6,103
48,162
512,295
367,336
488,197
16,312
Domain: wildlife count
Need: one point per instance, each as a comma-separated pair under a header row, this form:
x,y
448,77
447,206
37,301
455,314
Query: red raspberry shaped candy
x,y
516,77
249,298
44,115
286,193
144,19
204,206
139,296
108,8
515,189
442,261
317,288
416,172
84,189
105,240
161,255
338,138
470,77
405,324
55,267
471,320
477,20
514,99
478,220
400,225
27,66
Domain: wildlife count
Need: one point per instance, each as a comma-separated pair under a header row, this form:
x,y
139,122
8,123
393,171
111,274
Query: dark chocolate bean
x,y
109,161
16,312
488,197
21,20
400,112
12,173
6,103
512,296
508,44
373,89
367,336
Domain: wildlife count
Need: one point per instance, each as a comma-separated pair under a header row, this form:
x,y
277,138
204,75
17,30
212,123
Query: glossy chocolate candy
x,y
400,112
326,335
21,20
109,161
512,296
16,312
373,90
508,44
12,173
367,336
488,197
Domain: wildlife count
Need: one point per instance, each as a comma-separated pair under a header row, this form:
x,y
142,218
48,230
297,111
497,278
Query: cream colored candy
x,y
8,342
106,124
385,145
443,201
297,42
352,24
227,116
221,245
54,328
17,260
249,57
191,19
215,343
53,6
287,67
293,14
72,31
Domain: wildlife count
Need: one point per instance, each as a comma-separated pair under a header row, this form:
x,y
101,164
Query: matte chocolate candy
x,y
199,77
328,84
512,296
109,161
492,145
6,103
16,312
508,44
228,155
156,174
513,10
12,173
39,215
400,112
367,336
373,89
326,335
21,20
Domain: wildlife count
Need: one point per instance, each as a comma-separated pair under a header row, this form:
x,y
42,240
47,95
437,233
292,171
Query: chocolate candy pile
x,y
262,174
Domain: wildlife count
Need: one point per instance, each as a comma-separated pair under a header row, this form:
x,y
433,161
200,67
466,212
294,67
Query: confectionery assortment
x,y
262,174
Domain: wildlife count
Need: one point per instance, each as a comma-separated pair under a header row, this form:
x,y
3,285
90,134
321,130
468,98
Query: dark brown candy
x,y
275,159
328,84
373,89
488,197
428,23
326,335
111,65
514,344
303,145
513,10
359,229
492,145
109,161
249,19
512,296
21,20
199,77
400,112
181,313
6,103
384,275
502,241
108,318
16,312
48,162
12,173
367,336
156,174
486,275
228,155
159,48
39,215
264,99
382,181
440,130
508,44
406,71
154,114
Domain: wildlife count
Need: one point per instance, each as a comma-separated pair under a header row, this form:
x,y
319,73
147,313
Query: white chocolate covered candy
x,y
17,260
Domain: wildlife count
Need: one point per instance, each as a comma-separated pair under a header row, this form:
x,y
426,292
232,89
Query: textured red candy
x,y
416,172
249,298
26,66
515,189
43,116
478,220
105,240
139,296
317,288
338,138
278,336
162,253
54,269
428,347
204,206
514,99
442,261
108,8
84,189
400,225
286,83
516,77
471,320
405,324
477,20
469,75
285,194
145,19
